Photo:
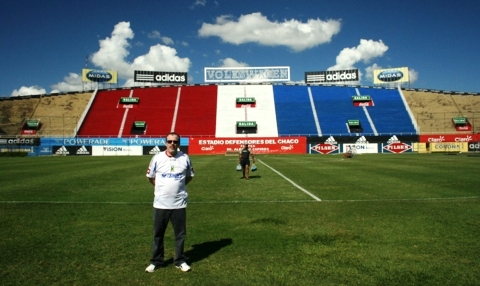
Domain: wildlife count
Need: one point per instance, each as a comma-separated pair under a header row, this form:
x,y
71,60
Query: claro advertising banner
x,y
439,138
218,146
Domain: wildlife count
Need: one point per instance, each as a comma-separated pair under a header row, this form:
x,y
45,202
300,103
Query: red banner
x,y
439,138
364,103
261,145
29,132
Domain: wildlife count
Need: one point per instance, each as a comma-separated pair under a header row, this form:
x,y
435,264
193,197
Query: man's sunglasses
x,y
172,141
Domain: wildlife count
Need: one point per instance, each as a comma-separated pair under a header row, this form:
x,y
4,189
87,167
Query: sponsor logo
x,y
393,139
172,176
467,138
114,149
155,150
83,151
170,78
62,151
20,141
447,146
331,76
331,140
390,75
397,147
474,146
324,148
361,140
99,76
436,140
341,76
161,77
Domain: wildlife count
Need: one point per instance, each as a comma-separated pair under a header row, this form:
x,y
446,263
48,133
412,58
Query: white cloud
x,y
412,75
112,56
369,72
167,41
156,35
229,62
72,82
114,50
198,3
365,51
32,90
257,28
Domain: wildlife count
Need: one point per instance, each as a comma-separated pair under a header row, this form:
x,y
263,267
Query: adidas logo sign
x,y
393,139
362,140
83,151
154,151
62,151
330,140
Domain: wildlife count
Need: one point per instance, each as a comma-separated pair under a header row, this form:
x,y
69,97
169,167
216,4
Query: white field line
x,y
246,202
292,182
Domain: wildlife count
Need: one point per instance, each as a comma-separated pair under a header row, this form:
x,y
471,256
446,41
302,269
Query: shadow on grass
x,y
252,177
203,250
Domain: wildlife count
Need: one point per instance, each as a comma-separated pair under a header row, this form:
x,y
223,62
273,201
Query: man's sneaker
x,y
184,267
151,268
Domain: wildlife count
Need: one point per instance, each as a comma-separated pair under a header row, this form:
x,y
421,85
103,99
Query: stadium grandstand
x,y
219,110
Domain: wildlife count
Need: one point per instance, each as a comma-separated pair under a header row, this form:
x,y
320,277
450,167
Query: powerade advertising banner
x,y
160,77
109,141
331,76
218,146
103,146
103,76
247,74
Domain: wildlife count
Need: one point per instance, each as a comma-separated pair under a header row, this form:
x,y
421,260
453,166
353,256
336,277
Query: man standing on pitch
x,y
244,160
170,172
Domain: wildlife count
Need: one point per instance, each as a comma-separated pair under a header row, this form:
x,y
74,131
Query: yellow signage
x,y
449,147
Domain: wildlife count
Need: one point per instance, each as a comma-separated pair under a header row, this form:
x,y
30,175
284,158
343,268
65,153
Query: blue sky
x,y
45,44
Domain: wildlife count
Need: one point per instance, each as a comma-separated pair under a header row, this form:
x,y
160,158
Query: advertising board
x,y
217,146
160,77
331,76
247,74
391,75
103,76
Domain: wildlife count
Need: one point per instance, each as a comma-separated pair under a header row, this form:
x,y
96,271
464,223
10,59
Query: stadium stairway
x,y
390,115
228,113
293,110
197,111
335,107
105,115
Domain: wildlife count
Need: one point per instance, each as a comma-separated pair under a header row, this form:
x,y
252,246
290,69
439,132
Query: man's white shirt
x,y
170,174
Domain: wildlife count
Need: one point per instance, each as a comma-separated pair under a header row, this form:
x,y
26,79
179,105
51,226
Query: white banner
x,y
362,148
117,150
247,74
